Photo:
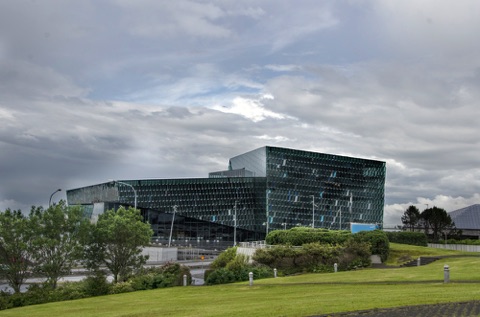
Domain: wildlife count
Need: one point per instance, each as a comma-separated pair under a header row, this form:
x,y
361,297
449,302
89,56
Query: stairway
x,y
424,260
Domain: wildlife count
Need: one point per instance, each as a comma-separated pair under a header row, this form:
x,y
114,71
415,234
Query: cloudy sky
x,y
131,89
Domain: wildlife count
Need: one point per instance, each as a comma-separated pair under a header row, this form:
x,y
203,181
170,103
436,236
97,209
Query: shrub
x,y
97,285
122,287
408,237
223,258
355,254
302,235
220,276
378,241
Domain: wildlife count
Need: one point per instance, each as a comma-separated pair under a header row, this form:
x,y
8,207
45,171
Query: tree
x,y
56,246
410,218
15,242
116,241
437,221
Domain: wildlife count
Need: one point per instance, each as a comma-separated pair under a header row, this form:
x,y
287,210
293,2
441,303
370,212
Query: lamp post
x,y
235,224
50,200
266,209
134,191
313,211
171,226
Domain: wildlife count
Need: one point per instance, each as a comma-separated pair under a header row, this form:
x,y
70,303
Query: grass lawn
x,y
302,295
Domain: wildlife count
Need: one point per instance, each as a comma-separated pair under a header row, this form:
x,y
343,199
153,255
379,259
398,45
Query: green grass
x,y
302,295
402,253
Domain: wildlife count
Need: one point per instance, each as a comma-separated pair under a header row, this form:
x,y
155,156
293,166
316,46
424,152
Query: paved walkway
x,y
461,309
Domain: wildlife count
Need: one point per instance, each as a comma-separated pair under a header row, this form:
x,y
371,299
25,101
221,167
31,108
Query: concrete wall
x,y
457,247
158,254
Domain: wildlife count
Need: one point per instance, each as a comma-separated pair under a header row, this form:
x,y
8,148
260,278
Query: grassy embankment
x,y
302,295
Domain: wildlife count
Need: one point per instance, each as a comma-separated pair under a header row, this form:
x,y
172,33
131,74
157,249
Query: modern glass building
x,y
268,188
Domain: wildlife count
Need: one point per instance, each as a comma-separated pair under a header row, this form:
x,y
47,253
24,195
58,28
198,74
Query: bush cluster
x,y
301,235
171,274
408,237
464,241
230,267
378,240
315,257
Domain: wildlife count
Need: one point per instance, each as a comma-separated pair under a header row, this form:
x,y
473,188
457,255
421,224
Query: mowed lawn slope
x,y
302,295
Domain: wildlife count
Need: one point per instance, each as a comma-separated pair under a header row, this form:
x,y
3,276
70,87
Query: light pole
x,y
134,191
235,224
171,226
313,211
50,200
266,207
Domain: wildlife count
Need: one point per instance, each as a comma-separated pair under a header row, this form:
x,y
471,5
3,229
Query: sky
x,y
95,90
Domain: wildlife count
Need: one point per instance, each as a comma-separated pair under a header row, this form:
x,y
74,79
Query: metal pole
x,y
313,211
50,200
235,224
340,208
134,192
171,226
266,207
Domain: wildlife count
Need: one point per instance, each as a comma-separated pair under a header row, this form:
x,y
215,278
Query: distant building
x,y
268,188
468,220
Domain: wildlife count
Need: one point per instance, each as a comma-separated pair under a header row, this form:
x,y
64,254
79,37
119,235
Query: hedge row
x,y
301,235
315,257
408,237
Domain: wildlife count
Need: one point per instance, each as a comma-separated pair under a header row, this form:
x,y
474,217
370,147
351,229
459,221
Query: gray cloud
x,y
92,91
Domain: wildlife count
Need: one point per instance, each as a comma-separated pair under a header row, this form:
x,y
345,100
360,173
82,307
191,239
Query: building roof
x,y
467,218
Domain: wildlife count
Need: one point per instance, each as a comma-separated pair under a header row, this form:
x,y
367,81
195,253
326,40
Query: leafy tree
x,y
437,221
15,242
116,241
410,218
57,244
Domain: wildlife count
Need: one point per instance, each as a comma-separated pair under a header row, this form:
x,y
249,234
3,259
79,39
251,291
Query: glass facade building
x,y
268,188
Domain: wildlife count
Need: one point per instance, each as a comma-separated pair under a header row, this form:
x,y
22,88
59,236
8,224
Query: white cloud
x,y
249,108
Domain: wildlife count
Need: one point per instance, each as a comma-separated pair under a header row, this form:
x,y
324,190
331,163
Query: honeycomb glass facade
x,y
267,188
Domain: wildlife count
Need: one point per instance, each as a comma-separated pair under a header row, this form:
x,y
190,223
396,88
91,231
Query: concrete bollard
x,y
446,273
335,267
419,261
250,278
275,273
184,279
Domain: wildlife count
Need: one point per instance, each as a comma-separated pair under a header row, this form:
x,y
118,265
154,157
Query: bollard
x,y
275,273
184,279
250,278
446,273
335,267
419,261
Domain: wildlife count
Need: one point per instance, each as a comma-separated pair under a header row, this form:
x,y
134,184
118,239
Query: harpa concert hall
x,y
266,189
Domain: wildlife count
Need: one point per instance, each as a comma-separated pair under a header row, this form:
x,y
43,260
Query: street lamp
x,y
50,200
235,224
313,211
134,191
171,226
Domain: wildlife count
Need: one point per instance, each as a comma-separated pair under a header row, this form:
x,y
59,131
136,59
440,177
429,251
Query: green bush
x,y
378,241
224,258
122,287
220,276
315,257
97,285
301,235
464,241
354,255
408,237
